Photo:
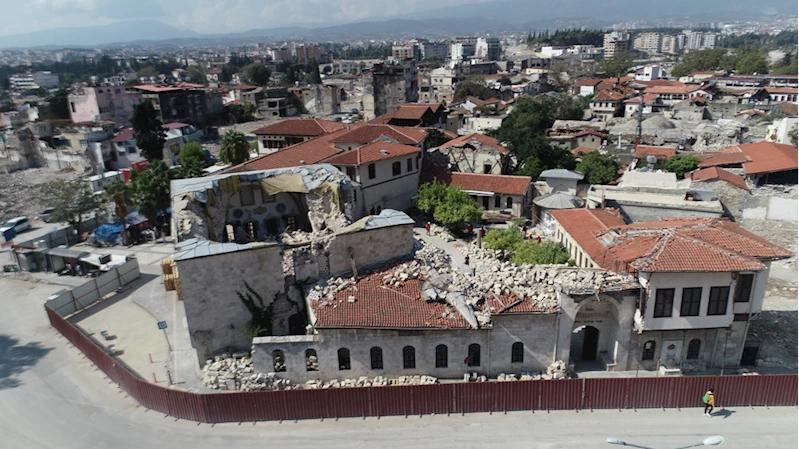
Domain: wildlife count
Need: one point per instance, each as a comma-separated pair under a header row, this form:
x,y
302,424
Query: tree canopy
x,y
450,206
567,38
59,104
257,74
148,131
523,133
680,164
698,61
598,168
72,200
616,66
234,148
436,138
121,194
151,190
531,252
192,161
473,86
196,74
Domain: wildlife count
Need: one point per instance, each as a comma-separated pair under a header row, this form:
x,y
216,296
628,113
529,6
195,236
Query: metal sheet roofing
x,y
194,248
562,173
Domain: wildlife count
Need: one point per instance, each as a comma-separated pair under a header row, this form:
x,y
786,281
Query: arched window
x,y
343,359
649,350
497,201
517,352
279,361
693,349
311,361
376,356
409,357
474,355
442,356
509,203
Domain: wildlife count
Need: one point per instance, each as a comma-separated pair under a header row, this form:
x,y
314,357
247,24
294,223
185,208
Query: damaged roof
x,y
514,185
304,153
715,174
479,138
194,248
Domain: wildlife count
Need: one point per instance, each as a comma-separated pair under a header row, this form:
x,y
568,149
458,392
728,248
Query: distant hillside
x,y
123,31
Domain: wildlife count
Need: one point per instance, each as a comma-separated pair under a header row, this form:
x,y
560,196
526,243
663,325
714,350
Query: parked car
x,y
19,224
47,214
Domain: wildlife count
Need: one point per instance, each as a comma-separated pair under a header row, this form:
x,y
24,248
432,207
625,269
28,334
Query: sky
x,y
204,16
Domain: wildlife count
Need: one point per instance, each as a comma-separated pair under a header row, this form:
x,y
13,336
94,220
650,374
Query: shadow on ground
x,y
112,299
16,358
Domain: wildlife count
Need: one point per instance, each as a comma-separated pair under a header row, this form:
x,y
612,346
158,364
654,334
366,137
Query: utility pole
x,y
638,127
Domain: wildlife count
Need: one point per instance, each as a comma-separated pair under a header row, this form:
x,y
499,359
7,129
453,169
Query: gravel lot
x,y
21,191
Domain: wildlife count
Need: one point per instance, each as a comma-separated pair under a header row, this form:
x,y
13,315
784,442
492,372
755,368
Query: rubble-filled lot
x,y
21,191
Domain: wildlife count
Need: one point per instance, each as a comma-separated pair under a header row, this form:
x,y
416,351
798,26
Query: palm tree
x,y
235,148
120,193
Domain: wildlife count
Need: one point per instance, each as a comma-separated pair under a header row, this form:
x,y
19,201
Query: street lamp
x,y
709,441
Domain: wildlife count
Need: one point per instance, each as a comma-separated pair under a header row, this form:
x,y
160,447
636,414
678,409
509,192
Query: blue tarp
x,y
112,232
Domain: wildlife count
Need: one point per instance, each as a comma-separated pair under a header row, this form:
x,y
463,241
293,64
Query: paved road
x,y
52,397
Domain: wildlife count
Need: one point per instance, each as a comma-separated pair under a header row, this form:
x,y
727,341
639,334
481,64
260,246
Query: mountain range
x,y
498,16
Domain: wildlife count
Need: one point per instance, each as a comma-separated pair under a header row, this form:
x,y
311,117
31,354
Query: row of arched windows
x,y
694,346
408,357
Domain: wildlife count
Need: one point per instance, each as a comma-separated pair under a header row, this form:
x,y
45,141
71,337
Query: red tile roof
x,y
305,153
609,95
722,158
769,157
591,132
513,185
175,125
673,89
782,90
372,152
379,306
660,152
670,245
510,303
582,151
300,127
714,174
123,136
582,224
586,82
648,99
481,138
368,132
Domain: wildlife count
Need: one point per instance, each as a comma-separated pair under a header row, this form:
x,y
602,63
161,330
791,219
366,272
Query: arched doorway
x,y
584,344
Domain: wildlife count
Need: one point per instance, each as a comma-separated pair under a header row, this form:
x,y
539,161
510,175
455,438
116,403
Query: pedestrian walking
x,y
466,260
539,239
710,401
427,228
470,230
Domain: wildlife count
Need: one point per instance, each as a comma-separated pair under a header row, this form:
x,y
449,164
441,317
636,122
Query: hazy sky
x,y
204,16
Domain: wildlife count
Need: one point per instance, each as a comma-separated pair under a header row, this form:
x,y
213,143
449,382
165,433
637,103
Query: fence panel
x,y
688,391
185,405
428,399
388,401
154,397
564,394
306,404
349,402
62,303
649,392
518,395
474,397
605,393
108,282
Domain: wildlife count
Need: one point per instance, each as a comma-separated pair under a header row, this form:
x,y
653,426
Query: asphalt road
x,y
52,397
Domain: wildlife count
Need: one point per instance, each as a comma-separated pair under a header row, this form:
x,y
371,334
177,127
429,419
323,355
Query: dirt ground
x,y
21,191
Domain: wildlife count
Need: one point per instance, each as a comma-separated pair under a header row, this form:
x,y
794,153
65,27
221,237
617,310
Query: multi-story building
x,y
709,40
648,42
434,50
292,131
693,40
437,85
671,44
393,85
181,102
408,51
27,81
106,103
615,43
488,48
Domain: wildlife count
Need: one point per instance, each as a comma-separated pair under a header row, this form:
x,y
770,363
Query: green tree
x,y
473,86
225,76
752,62
436,138
788,66
72,200
196,74
148,71
598,168
234,148
257,74
617,66
680,164
148,131
544,253
316,77
700,60
504,239
59,104
121,194
151,191
249,111
450,206
192,161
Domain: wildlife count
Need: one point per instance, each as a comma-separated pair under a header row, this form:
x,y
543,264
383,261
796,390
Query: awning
x,y
67,253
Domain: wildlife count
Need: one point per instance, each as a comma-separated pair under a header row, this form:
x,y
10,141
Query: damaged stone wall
x,y
732,198
369,248
216,317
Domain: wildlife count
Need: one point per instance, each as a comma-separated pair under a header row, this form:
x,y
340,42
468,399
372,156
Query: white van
x,y
19,224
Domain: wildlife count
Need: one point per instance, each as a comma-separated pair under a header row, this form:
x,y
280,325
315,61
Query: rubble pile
x,y
557,370
441,232
235,373
433,257
21,191
364,381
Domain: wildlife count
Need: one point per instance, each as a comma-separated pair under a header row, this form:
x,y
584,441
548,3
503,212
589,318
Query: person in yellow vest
x,y
710,401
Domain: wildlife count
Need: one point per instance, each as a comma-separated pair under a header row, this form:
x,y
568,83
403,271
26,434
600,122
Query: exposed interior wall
x,y
369,248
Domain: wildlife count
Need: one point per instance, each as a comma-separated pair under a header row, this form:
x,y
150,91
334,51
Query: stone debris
x,y
440,232
235,373
364,381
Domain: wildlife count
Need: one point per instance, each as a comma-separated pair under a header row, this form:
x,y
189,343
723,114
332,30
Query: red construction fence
x,y
541,395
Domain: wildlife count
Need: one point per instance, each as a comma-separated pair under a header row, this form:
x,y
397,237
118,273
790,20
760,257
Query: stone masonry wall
x,y
370,248
216,317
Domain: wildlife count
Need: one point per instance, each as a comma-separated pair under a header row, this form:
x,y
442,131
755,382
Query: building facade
x,y
106,103
393,85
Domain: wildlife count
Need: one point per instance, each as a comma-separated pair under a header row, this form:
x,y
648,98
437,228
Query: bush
x,y
449,205
507,239
531,252
680,164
